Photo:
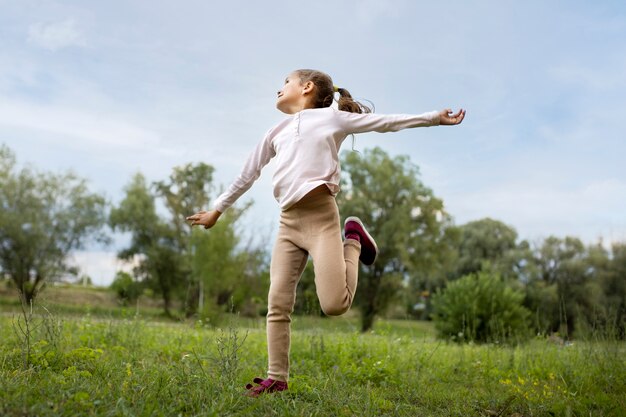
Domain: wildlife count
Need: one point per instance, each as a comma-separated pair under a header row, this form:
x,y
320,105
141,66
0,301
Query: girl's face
x,y
294,95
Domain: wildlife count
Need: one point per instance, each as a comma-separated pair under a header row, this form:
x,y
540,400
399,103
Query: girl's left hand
x,y
447,118
205,218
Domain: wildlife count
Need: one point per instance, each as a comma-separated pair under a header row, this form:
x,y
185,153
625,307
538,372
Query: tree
x,y
427,277
151,241
480,307
614,285
561,287
126,288
176,260
44,217
599,311
223,271
307,302
187,191
487,241
406,219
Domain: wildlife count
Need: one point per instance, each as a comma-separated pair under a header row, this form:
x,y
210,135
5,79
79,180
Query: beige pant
x,y
310,227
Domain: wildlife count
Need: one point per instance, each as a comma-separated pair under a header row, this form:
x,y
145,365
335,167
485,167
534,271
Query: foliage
x,y
187,190
569,288
152,242
480,307
307,301
591,287
613,283
44,217
208,271
126,288
490,242
406,219
226,275
564,275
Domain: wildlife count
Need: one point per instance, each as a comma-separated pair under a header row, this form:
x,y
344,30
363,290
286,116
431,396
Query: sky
x,y
109,89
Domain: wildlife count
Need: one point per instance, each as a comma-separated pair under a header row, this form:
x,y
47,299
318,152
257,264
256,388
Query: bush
x,y
480,307
126,288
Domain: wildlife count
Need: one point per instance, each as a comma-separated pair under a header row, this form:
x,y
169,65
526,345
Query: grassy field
x,y
67,299
107,365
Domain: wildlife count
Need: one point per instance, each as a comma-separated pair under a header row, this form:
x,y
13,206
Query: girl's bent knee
x,y
335,309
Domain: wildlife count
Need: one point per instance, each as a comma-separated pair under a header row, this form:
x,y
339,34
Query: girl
x,y
305,183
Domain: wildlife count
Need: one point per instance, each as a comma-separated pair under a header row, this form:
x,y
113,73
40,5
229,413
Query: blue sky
x,y
111,88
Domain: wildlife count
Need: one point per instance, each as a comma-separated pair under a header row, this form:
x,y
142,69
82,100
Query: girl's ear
x,y
307,87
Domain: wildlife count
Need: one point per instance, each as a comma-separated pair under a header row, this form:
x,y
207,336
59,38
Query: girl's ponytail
x,y
347,103
324,93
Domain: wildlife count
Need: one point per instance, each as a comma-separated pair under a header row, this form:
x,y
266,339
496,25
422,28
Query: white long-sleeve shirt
x,y
306,146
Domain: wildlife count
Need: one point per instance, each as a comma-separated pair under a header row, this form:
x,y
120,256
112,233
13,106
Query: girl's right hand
x,y
205,218
446,117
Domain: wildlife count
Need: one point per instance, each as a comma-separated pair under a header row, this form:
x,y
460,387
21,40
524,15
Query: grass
x,y
74,300
136,367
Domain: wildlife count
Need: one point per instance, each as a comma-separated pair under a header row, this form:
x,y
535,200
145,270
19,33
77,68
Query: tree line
x,y
564,284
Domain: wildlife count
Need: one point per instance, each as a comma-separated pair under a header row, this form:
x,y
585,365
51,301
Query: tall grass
x,y
141,368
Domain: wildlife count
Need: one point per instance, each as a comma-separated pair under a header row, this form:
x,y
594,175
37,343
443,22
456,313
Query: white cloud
x,y
84,125
100,266
56,35
540,148
589,211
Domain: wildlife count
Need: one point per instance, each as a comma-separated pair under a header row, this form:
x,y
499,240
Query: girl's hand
x,y
447,118
205,218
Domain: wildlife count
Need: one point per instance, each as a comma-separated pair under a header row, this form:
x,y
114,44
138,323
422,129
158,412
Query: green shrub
x,y
126,288
480,307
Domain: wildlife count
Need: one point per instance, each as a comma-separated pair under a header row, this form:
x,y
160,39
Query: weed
x,y
23,327
52,329
228,344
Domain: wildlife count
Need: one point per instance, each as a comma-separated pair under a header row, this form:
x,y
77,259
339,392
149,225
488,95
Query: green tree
x,y
614,285
44,217
152,241
602,298
250,293
563,271
406,219
306,295
427,277
227,273
205,269
186,191
480,307
126,288
491,242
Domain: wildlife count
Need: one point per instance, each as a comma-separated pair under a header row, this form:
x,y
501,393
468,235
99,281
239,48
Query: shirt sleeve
x,y
372,122
249,174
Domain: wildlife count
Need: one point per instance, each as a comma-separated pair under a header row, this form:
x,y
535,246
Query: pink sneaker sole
x,y
369,250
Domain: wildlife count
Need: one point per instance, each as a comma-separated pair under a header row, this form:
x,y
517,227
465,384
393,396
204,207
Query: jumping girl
x,y
305,183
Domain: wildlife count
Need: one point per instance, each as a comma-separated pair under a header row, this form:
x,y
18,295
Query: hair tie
x,y
336,88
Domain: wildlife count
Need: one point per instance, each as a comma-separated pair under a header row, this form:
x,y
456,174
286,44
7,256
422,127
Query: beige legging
x,y
311,226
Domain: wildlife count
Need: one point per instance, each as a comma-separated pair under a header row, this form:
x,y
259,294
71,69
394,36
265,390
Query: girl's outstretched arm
x,y
205,218
371,122
447,118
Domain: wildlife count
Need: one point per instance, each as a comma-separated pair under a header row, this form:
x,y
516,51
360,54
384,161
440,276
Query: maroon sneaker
x,y
369,250
265,386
